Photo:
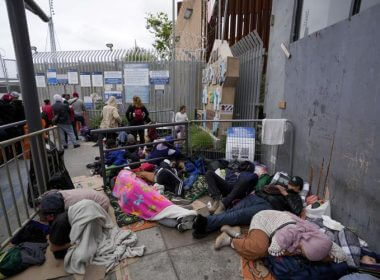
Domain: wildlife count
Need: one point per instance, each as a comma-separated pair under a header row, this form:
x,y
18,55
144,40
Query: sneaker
x,y
76,146
222,240
231,231
185,223
220,209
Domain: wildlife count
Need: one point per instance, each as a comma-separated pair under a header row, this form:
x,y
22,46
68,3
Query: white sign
x,y
136,75
72,77
116,94
159,77
85,79
97,79
159,89
40,80
240,143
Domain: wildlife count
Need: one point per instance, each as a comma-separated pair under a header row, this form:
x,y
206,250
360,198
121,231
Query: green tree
x,y
161,27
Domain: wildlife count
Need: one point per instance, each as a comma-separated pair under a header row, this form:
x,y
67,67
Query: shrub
x,y
200,139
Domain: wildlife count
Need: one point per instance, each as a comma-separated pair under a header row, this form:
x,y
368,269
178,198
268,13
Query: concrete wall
x,y
332,90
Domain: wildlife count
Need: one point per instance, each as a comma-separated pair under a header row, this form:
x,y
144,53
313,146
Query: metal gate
x,y
250,52
184,89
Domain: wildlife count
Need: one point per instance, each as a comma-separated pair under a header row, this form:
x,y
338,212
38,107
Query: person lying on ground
x,y
280,233
224,193
136,197
55,202
270,198
166,174
117,157
86,234
164,150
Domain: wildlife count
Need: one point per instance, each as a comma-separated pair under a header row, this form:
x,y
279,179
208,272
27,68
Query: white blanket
x,y
96,239
273,131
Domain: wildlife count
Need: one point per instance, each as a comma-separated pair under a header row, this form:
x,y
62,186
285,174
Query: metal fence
x,y
8,75
19,184
207,139
250,52
185,75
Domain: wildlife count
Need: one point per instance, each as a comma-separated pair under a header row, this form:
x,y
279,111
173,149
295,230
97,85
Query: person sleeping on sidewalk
x,y
272,197
55,202
224,192
280,233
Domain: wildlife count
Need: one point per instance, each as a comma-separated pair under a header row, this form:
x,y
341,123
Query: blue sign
x,y
116,94
113,77
241,132
141,91
52,76
159,77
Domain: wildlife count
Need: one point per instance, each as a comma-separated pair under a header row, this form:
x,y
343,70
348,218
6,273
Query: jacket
x,y
292,202
63,112
131,119
111,117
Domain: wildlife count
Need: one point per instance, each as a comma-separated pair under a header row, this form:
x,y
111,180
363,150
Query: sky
x,y
88,24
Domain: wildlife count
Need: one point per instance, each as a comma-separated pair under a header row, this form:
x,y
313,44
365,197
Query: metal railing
x,y
208,139
19,185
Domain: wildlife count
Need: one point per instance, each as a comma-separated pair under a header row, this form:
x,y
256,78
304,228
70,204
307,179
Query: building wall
x,y
331,86
189,30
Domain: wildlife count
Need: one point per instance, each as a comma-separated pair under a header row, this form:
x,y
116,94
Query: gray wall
x,y
332,90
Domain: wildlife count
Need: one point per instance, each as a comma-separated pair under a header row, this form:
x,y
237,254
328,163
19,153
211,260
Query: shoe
x,y
231,231
220,209
214,206
199,227
222,240
76,146
65,147
185,223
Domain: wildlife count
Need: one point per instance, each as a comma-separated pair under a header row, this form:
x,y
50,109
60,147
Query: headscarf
x,y
112,101
314,243
57,98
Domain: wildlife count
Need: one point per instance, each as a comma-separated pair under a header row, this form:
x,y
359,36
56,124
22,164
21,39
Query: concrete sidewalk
x,y
169,254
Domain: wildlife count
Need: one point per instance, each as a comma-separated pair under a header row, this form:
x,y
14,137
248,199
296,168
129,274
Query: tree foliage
x,y
161,27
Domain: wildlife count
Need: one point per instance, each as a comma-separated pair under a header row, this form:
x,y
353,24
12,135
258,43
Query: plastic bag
x,y
323,209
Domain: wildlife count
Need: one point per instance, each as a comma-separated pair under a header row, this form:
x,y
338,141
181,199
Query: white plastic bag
x,y
323,209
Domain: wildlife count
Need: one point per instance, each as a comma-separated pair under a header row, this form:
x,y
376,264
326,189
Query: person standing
x,y
110,116
62,120
137,114
47,112
79,109
181,116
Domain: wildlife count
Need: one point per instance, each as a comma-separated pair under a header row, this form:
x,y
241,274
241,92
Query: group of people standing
x,y
66,112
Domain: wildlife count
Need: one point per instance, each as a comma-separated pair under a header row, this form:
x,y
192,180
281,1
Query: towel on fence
x,y
96,239
273,132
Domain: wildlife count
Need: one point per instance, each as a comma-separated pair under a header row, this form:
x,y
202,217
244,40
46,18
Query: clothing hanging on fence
x,y
273,131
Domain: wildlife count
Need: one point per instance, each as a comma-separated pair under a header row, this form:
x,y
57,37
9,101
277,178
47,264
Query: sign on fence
x,y
72,77
97,79
116,94
240,143
112,77
136,78
40,80
85,79
62,79
159,77
52,76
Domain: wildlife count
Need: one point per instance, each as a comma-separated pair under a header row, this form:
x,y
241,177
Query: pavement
x,y
169,254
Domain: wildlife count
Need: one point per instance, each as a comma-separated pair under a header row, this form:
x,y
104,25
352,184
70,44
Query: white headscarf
x,y
112,101
57,98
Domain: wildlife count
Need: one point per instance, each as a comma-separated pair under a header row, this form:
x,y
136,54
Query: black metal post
x,y
21,42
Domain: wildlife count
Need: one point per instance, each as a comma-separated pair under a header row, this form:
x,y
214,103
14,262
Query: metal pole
x,y
220,19
2,64
21,42
173,54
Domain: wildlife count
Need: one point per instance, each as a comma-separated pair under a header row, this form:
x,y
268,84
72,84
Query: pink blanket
x,y
136,197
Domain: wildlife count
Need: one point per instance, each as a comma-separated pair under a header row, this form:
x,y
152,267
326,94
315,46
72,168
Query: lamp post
x,y
110,46
34,49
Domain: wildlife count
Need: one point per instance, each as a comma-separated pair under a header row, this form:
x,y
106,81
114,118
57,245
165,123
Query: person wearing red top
x,y
47,112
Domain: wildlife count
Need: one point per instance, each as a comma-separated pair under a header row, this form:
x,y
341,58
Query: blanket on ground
x,y
96,239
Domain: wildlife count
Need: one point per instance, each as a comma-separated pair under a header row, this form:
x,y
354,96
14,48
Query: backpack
x,y
139,114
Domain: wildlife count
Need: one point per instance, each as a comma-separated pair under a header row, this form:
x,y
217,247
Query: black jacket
x,y
292,202
131,119
63,112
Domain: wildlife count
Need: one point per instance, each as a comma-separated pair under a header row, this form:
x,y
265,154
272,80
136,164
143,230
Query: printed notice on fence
x,y
136,75
85,79
40,80
72,77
